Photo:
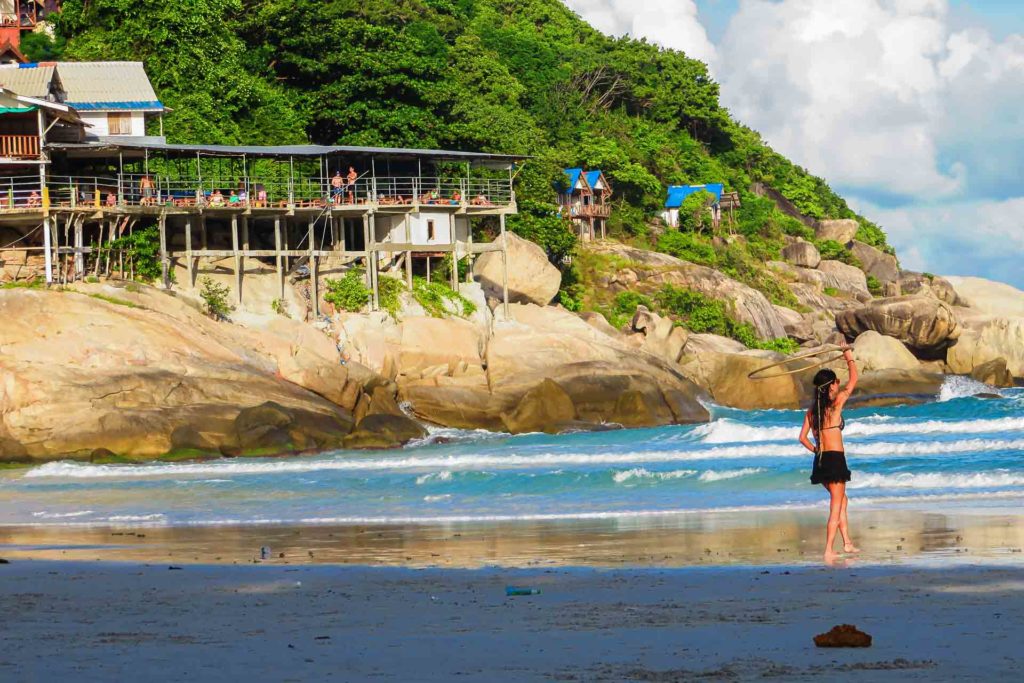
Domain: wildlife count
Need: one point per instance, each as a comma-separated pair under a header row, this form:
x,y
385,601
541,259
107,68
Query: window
x,y
119,123
430,230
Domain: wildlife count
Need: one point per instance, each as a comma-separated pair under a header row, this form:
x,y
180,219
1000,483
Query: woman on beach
x,y
825,419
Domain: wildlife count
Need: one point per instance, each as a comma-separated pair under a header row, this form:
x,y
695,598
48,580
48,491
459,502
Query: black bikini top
x,y
841,426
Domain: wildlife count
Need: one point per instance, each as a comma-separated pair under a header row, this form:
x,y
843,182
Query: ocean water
x,y
961,452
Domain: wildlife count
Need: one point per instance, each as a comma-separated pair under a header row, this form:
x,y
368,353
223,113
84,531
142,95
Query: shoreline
x,y
885,535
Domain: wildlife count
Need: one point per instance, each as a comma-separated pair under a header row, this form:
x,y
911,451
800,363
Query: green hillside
x,y
523,76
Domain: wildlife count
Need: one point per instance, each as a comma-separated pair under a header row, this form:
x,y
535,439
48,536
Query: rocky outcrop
x,y
125,374
531,277
803,254
846,278
725,376
662,337
605,379
928,285
875,262
988,297
841,230
380,431
994,373
927,326
985,339
878,352
892,387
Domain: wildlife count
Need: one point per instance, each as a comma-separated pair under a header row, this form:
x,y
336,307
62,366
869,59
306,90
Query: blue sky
x,y
912,109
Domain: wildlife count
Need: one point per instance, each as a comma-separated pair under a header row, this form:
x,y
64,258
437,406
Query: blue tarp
x,y
677,193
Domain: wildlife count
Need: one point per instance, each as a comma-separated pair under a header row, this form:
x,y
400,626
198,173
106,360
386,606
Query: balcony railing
x,y
19,146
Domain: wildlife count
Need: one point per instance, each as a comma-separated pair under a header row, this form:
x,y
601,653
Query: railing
x,y
20,193
152,190
19,146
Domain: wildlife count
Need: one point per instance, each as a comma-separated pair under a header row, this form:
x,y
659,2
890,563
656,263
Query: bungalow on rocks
x,y
585,199
678,194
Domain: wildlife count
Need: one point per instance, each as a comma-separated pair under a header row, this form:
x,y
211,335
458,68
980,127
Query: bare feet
x,y
850,548
831,557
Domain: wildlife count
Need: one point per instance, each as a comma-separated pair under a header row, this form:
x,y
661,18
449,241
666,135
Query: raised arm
x,y
851,383
805,431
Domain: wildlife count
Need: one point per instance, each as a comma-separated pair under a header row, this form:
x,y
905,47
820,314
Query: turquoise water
x,y
961,451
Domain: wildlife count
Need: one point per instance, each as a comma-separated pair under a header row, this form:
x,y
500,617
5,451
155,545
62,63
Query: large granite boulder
x,y
841,230
531,277
985,339
875,262
81,373
988,296
847,278
606,380
878,352
994,373
893,387
802,254
381,431
662,337
724,375
928,285
927,326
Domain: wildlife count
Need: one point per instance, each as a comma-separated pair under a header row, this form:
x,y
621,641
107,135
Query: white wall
x,y
671,216
98,121
392,228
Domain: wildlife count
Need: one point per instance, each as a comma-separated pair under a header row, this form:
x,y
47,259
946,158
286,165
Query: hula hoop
x,y
756,374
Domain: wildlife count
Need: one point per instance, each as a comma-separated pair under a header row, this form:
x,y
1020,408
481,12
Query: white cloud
x,y
669,23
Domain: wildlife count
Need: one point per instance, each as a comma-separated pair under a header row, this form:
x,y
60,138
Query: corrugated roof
x,y
281,151
677,193
593,177
30,80
102,85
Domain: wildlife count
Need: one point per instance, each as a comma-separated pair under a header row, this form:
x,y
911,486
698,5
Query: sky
x,y
913,110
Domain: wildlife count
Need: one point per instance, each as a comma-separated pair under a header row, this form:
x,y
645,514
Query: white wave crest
x,y
959,386
73,470
444,475
435,499
729,431
641,473
716,475
963,480
43,514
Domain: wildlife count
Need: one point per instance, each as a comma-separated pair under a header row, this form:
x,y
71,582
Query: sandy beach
x,y
115,621
939,593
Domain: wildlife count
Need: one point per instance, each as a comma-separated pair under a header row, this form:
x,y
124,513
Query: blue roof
x,y
592,178
574,176
85,106
677,193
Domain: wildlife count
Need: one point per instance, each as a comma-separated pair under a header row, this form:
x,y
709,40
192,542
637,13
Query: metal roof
x,y
677,193
107,85
31,80
574,177
286,150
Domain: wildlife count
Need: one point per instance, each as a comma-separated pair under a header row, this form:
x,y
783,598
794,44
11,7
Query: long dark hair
x,y
822,401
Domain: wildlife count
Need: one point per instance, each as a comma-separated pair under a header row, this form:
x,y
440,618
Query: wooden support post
x,y
469,251
238,258
454,253
165,261
408,254
110,238
366,250
277,247
373,262
202,232
504,266
97,253
188,252
48,241
79,256
245,247
314,276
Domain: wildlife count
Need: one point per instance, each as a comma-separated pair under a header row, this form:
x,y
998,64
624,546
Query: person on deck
x,y
456,198
146,189
34,200
261,195
825,420
352,177
233,199
111,199
217,198
337,187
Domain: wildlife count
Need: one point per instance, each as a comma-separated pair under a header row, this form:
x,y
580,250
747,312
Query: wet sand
x,y
128,622
785,537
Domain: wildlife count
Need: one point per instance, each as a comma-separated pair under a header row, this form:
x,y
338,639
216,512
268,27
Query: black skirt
x,y
830,467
